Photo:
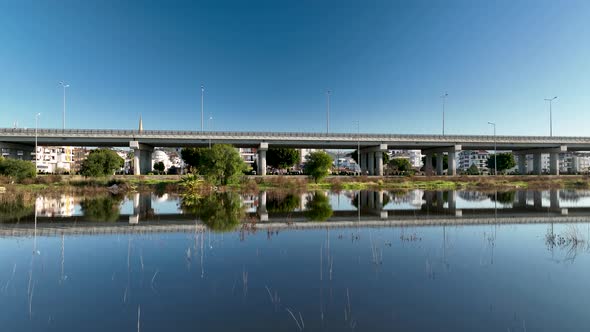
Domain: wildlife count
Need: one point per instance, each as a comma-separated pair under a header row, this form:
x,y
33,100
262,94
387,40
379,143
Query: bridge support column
x,y
371,156
452,170
537,169
262,212
452,199
537,199
554,163
522,164
142,157
262,158
439,164
379,159
554,199
428,164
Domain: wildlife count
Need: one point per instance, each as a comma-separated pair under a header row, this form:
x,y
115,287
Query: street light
x,y
444,98
358,149
550,100
36,127
328,93
210,128
202,98
495,151
64,86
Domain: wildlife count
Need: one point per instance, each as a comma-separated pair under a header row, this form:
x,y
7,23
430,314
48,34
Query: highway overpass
x,y
15,140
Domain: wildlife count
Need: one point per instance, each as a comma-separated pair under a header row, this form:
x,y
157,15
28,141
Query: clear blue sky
x,y
267,64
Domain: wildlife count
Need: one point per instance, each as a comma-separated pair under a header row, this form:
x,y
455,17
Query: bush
x,y
101,162
17,169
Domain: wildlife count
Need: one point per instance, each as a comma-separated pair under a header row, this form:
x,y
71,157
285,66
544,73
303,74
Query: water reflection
x,y
318,208
220,211
103,208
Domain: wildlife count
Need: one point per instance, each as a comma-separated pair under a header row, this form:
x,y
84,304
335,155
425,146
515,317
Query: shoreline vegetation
x,y
174,183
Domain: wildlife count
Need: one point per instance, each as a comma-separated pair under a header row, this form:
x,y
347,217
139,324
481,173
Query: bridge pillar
x,y
452,170
439,164
262,158
537,199
554,199
452,199
554,163
522,164
379,159
371,156
142,157
537,167
262,212
428,164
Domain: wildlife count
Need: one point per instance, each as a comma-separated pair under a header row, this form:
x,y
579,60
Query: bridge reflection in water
x,y
147,211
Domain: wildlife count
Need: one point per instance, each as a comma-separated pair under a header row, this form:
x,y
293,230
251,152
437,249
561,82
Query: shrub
x,y
17,169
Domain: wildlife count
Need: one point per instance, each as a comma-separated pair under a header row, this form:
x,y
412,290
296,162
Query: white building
x,y
62,206
55,159
479,158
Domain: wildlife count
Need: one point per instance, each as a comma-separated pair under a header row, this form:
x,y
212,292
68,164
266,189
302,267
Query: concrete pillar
x,y
262,158
522,164
379,166
537,199
439,163
428,164
452,170
452,199
521,198
537,166
262,212
142,157
575,164
554,199
136,162
371,156
554,163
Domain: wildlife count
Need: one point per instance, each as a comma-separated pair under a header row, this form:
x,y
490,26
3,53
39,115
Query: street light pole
x,y
495,151
550,100
202,104
64,86
328,93
36,153
210,128
444,98
358,148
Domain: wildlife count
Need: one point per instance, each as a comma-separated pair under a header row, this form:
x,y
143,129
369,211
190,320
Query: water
x,y
415,261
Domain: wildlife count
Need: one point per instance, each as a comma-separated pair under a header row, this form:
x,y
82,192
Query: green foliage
x,y
191,182
17,169
400,165
103,208
220,211
284,204
282,157
504,197
159,167
505,161
472,170
220,165
101,162
318,208
15,207
318,165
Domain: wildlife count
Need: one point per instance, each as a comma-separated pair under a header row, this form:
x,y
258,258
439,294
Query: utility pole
x,y
328,93
444,98
64,86
495,151
202,104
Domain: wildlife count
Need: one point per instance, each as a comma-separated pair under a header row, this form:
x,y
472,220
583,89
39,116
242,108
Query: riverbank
x,y
172,183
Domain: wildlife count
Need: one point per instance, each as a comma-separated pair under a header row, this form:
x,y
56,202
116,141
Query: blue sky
x,y
267,64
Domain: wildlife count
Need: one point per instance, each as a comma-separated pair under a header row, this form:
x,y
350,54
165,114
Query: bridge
x,y
17,142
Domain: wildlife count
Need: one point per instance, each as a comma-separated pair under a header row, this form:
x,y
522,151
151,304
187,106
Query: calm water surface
x,y
415,261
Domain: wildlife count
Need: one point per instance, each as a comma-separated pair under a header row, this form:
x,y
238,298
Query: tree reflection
x,y
504,197
221,212
102,208
318,208
282,203
16,207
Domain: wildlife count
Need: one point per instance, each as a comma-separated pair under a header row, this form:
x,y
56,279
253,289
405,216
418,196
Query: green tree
x,y
221,165
192,156
400,165
505,161
282,157
220,211
318,208
282,203
17,169
103,208
159,167
504,197
101,162
472,170
317,165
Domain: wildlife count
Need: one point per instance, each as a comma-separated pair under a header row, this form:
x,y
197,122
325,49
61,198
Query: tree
x,y
282,158
101,162
220,211
318,208
221,165
17,169
192,156
400,165
472,170
105,208
159,167
282,204
505,161
317,165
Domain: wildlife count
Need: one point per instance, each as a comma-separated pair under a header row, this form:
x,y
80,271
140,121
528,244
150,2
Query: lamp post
x,y
328,93
444,98
64,86
358,148
495,151
550,100
202,104
210,128
36,128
